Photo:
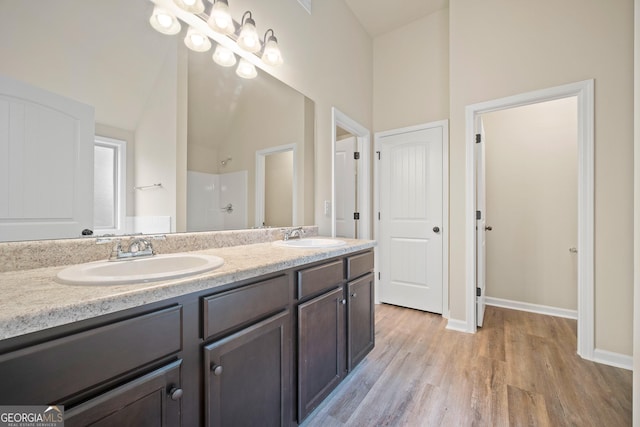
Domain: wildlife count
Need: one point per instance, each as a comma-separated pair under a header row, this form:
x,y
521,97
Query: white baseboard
x,y
532,308
457,325
613,359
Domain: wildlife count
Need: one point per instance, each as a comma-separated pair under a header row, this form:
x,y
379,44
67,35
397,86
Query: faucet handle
x,y
139,245
116,250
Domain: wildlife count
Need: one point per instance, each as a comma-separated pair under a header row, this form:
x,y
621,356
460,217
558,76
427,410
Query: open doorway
x,y
346,174
350,178
529,222
583,93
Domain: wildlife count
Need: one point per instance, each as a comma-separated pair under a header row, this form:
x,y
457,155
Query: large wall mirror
x,y
187,129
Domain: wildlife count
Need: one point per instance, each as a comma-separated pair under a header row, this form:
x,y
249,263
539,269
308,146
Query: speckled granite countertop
x,y
31,299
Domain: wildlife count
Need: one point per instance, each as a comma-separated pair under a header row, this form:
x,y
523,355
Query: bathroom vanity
x,y
260,341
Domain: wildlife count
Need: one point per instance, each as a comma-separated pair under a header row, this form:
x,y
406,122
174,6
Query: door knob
x,y
488,228
436,229
217,370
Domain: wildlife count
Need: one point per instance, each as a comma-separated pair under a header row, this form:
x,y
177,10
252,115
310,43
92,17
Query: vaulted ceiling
x,y
381,16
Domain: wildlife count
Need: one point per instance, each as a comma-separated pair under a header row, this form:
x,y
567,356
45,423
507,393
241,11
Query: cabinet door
x,y
152,400
360,321
247,376
321,349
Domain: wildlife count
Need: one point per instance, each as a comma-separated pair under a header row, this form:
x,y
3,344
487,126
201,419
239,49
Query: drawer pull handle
x,y
344,301
217,370
175,393
353,295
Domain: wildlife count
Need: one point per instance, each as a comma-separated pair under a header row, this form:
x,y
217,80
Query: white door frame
x,y
444,124
260,190
584,91
363,138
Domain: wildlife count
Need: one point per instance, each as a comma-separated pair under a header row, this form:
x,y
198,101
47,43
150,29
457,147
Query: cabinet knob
x,y
175,393
216,369
344,301
353,295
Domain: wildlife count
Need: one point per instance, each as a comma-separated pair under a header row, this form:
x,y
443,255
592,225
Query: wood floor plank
x,y
520,369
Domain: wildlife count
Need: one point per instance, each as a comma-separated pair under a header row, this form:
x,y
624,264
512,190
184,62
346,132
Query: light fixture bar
x,y
229,41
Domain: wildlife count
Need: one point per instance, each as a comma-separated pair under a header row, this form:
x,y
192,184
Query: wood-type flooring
x,y
520,369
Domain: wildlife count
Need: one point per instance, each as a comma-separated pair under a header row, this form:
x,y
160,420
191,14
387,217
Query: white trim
x,y
532,308
120,147
444,124
260,180
613,359
457,325
363,137
584,91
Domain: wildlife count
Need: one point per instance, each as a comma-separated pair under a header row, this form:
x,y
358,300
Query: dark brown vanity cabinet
x,y
247,374
335,328
152,400
321,348
263,351
360,319
361,313
127,369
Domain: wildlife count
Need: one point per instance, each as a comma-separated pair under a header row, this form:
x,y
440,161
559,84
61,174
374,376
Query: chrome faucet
x,y
293,233
138,247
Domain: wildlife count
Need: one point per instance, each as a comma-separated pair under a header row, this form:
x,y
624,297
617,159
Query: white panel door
x,y
411,206
46,159
481,223
345,176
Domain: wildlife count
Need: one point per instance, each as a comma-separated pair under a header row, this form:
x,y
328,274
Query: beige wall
x,y
411,73
532,190
500,48
155,147
278,176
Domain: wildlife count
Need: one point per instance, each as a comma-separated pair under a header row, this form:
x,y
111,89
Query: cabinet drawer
x,y
359,264
235,308
317,279
54,370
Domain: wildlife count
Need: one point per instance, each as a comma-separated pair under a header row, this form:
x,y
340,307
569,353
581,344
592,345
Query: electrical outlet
x,y
327,208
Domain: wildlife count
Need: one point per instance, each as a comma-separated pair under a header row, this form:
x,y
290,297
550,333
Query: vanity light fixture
x,y
220,19
164,22
224,56
248,38
246,69
197,41
271,54
191,6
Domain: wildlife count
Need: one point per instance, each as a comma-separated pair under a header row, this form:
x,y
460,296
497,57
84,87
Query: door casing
x,y
584,91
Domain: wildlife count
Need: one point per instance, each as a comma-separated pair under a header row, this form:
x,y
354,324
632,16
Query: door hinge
x,y
478,215
356,155
378,216
478,292
379,277
478,138
378,153
356,215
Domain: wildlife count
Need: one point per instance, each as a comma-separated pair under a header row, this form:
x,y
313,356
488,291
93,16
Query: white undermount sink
x,y
137,270
310,243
